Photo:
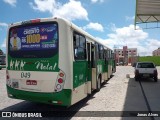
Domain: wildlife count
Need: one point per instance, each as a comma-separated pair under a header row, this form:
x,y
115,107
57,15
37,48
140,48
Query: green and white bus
x,y
55,62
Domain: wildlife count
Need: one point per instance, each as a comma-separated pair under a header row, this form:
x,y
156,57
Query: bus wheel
x,y
98,85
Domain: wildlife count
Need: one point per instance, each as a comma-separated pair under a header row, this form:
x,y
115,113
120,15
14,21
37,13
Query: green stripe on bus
x,y
33,64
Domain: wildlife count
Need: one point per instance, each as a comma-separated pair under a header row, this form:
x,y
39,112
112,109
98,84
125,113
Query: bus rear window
x,y
33,41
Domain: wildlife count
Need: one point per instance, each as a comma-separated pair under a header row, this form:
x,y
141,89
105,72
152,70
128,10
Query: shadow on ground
x,y
134,101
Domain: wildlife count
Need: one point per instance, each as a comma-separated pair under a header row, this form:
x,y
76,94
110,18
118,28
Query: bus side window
x,y
101,51
93,56
109,54
79,46
105,56
96,51
74,41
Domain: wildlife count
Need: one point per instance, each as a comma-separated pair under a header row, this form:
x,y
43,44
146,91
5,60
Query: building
x,y
126,55
156,52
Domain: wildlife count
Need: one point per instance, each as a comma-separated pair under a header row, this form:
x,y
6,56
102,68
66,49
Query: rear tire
x,y
136,78
98,85
155,79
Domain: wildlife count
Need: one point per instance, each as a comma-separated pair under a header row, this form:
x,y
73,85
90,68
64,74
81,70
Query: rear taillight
x,y
136,72
61,74
35,21
155,72
31,21
60,81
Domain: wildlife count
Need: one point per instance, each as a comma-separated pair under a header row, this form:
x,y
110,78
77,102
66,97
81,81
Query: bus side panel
x,y
79,93
114,66
79,81
105,75
79,73
109,68
103,71
100,66
66,52
100,69
94,78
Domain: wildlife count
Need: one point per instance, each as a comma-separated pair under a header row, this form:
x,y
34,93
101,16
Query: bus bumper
x,y
62,98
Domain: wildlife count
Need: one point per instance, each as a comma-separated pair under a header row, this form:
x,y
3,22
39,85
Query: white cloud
x,y
3,24
71,10
94,26
112,27
128,33
11,2
153,42
132,38
44,5
95,1
129,18
4,44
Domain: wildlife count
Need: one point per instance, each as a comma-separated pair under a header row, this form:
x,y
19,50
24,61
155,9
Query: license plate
x,y
146,75
31,82
15,84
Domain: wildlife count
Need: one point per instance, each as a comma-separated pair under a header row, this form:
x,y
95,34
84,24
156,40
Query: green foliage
x,y
154,59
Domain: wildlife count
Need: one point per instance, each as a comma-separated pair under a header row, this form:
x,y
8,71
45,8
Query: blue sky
x,y
110,21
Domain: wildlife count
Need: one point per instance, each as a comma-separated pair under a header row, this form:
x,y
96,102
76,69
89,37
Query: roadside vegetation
x,y
154,59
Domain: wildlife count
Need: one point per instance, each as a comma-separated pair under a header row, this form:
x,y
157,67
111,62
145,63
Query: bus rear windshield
x,y
34,40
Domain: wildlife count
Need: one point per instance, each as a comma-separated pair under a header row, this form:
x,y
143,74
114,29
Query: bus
x,y
53,61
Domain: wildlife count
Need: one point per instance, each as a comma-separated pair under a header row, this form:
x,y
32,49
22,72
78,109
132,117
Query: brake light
x,y
61,74
35,21
59,102
31,21
60,81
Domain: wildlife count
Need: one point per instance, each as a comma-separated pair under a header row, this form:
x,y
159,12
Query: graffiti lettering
x,y
17,65
41,66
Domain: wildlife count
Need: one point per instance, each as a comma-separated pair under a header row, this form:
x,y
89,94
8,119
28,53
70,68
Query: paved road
x,y
119,94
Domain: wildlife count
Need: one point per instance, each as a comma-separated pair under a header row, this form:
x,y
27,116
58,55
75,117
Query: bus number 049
x,y
25,75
